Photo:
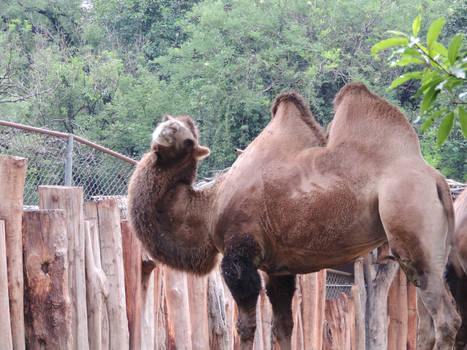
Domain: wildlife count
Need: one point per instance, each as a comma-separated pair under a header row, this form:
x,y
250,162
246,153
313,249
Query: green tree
x,y
444,73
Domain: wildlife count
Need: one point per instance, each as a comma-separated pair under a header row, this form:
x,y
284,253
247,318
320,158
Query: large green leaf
x,y
445,128
431,119
416,25
433,31
463,120
430,96
404,61
405,77
454,46
438,49
384,44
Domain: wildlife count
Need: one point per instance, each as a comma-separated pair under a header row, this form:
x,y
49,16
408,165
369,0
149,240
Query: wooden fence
x,y
88,284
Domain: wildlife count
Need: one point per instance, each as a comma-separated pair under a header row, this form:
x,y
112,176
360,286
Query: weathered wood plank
x,y
70,199
133,282
5,323
108,218
412,317
47,300
198,301
96,287
398,313
12,176
176,293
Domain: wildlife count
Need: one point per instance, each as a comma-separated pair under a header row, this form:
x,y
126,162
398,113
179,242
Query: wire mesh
x,y
99,173
337,283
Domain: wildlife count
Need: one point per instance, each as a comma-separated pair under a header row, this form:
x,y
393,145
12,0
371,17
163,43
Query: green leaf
x,y
405,77
435,80
433,31
431,119
384,44
454,46
438,48
416,25
404,61
428,99
396,32
445,128
463,120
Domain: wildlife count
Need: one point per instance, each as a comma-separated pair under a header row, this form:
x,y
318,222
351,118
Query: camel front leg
x,y
280,290
242,278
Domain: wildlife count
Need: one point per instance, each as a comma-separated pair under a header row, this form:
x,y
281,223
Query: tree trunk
x,y
108,219
133,282
96,287
47,306
397,312
12,175
5,323
70,199
378,277
178,309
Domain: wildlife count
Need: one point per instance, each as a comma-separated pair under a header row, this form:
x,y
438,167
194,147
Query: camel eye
x,y
188,142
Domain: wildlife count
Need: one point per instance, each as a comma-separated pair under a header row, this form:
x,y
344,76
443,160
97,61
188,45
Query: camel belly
x,y
319,227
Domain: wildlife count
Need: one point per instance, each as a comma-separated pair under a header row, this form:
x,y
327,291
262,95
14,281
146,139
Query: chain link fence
x,y
63,159
338,282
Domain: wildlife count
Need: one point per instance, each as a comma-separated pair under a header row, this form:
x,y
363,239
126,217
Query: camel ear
x,y
167,117
201,152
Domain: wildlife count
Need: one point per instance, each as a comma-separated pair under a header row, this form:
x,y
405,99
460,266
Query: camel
x,y
293,204
456,272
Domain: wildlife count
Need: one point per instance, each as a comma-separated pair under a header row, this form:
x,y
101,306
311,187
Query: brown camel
x,y
456,274
291,204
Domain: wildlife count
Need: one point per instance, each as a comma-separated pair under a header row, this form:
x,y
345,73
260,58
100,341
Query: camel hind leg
x,y
416,227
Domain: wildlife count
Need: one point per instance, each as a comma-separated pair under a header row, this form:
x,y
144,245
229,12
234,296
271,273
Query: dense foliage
x,y
108,70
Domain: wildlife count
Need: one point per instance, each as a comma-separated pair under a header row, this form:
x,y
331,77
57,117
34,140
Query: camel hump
x,y
296,99
354,88
305,112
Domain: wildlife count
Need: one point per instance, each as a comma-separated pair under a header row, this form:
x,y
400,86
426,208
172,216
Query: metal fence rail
x,y
56,158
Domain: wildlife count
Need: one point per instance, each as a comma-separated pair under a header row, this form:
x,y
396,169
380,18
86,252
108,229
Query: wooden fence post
x,y
132,264
358,292
398,313
160,317
47,301
12,176
70,199
313,287
379,276
198,301
5,323
340,324
110,235
148,298
96,288
220,330
178,308
412,317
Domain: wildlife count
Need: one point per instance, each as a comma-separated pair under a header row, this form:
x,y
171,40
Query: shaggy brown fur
x,y
159,189
291,204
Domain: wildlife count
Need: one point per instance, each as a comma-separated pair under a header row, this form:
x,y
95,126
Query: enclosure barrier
x,y
89,285
57,158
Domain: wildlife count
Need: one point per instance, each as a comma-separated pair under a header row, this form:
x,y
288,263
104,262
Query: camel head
x,y
176,138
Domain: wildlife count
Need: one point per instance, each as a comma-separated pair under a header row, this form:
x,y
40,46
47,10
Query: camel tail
x,y
444,194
